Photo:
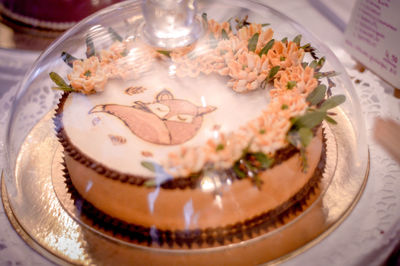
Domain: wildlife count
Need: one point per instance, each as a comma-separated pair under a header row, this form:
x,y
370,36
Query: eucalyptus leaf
x,y
310,120
297,39
313,64
237,171
150,183
265,24
284,40
57,79
153,167
332,102
320,63
68,59
264,160
224,35
328,74
167,53
294,138
114,35
253,42
306,136
267,47
304,64
90,51
272,73
330,120
317,95
66,89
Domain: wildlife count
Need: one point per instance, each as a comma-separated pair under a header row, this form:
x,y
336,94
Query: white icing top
x,y
191,112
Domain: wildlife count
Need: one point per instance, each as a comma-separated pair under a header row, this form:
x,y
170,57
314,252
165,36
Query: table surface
x,y
369,233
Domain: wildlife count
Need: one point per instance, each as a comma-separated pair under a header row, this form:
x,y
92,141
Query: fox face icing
x,y
165,121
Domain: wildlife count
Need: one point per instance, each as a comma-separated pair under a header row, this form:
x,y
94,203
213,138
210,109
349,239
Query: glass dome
x,y
217,130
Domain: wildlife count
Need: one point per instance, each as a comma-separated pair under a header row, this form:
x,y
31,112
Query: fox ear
x,y
164,95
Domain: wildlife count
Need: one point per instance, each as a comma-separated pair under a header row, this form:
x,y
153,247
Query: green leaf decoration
x,y
90,51
306,136
332,102
265,24
224,35
294,138
264,160
317,95
320,63
262,131
204,17
153,167
284,106
267,47
330,120
282,58
238,171
328,74
313,64
167,53
58,80
306,47
150,183
220,147
303,157
291,84
253,42
304,65
297,39
68,59
310,120
272,73
114,35
284,40
66,89
88,73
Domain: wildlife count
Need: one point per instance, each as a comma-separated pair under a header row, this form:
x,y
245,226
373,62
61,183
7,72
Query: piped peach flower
x,y
295,79
247,71
88,76
216,28
285,55
245,33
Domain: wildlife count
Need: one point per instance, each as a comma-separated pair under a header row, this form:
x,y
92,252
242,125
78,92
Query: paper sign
x,y
373,37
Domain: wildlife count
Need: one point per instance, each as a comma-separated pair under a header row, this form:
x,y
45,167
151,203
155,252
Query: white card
x,y
373,37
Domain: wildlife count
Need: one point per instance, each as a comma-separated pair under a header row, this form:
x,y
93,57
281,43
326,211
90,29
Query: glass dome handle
x,y
170,23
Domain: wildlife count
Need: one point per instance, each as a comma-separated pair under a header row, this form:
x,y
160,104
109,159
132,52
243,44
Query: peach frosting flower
x,y
88,76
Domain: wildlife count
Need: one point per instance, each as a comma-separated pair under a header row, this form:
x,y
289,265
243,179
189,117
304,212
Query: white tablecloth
x,y
372,229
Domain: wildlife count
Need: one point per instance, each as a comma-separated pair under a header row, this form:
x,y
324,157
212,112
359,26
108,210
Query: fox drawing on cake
x,y
165,121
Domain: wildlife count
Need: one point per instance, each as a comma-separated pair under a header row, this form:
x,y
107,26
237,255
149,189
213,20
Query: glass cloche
x,y
184,132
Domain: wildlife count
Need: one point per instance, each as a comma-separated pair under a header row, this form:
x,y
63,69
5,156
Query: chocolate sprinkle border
x,y
176,183
208,237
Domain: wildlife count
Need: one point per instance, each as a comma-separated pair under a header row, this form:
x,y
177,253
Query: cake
x,y
221,147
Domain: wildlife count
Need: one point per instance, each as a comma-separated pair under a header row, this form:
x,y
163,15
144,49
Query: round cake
x,y
201,146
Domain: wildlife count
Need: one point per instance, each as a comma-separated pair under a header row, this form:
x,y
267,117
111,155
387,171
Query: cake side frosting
x,y
167,209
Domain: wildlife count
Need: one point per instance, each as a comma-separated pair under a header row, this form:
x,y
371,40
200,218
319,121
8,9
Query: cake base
x,y
218,236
